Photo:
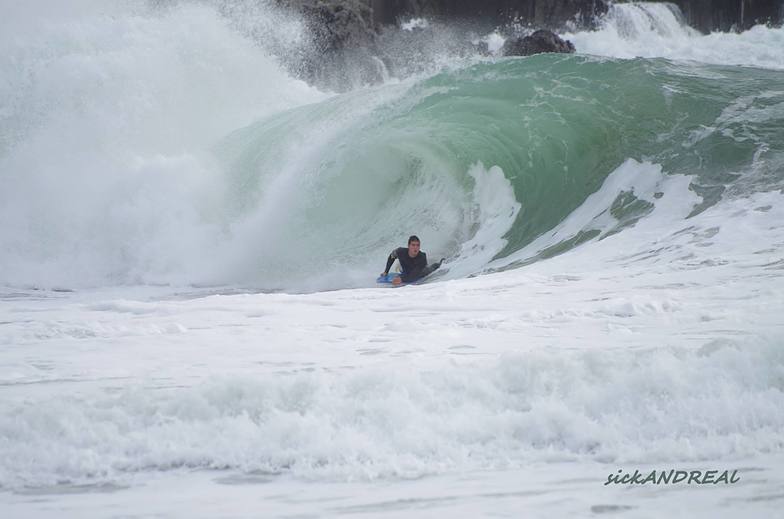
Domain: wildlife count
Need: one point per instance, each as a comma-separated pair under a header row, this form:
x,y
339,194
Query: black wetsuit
x,y
413,268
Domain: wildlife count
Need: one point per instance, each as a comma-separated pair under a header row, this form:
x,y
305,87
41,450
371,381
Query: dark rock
x,y
354,42
543,13
706,15
339,24
724,15
536,43
342,43
336,24
557,13
420,48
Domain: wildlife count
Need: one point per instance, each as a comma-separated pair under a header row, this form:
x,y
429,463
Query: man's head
x,y
413,246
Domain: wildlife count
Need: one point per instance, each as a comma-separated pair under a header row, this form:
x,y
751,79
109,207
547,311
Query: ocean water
x,y
189,325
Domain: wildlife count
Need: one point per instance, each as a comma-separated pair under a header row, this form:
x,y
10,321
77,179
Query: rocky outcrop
x,y
342,43
338,24
725,15
539,42
357,41
706,15
348,38
542,13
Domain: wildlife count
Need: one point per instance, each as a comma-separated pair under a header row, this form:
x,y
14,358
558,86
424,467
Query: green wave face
x,y
359,172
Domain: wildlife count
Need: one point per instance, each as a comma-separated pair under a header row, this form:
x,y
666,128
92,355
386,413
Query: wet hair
x,y
413,238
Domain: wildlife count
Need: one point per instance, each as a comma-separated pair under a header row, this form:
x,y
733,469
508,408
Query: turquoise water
x,y
557,126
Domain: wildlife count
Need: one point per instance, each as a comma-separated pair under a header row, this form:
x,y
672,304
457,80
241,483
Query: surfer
x,y
413,262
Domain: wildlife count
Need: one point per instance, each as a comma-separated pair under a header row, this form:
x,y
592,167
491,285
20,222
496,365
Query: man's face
x,y
413,248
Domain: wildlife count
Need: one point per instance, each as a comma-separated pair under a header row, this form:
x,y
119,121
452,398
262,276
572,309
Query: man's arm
x,y
429,269
432,268
390,260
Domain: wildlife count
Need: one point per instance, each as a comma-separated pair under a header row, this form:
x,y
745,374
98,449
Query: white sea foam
x,y
415,23
107,120
492,214
653,406
658,30
658,344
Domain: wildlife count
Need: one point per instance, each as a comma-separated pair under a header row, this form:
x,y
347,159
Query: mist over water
x,y
108,120
171,144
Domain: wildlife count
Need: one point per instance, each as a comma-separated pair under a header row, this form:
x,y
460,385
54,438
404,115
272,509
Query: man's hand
x,y
397,281
383,274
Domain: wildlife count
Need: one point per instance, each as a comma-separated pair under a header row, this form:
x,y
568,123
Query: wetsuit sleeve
x,y
390,260
431,268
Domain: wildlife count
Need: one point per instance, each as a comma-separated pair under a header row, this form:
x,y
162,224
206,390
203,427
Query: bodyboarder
x,y
413,262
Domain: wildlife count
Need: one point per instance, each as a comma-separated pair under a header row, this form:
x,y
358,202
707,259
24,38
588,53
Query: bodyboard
x,y
387,280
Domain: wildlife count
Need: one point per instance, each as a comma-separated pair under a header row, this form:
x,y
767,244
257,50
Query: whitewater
x,y
189,324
